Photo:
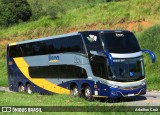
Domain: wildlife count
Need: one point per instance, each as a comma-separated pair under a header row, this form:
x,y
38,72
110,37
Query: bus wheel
x,y
88,93
29,89
21,88
74,91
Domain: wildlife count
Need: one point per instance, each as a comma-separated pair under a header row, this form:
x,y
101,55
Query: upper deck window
x,y
92,41
70,44
120,42
15,51
51,46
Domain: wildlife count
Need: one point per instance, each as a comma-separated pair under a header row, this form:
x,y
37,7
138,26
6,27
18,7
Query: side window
x,y
38,48
57,71
44,72
65,71
56,46
99,70
47,47
72,44
15,51
53,46
92,41
71,71
80,72
27,49
99,67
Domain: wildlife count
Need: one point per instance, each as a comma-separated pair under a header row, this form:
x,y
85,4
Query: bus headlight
x,y
113,86
110,84
143,83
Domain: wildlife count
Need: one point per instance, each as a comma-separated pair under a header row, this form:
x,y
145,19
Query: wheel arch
x,y
27,83
20,83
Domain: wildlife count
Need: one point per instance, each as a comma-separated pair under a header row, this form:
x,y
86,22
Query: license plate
x,y
129,95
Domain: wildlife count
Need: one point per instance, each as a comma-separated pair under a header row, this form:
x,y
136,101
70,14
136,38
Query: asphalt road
x,y
150,99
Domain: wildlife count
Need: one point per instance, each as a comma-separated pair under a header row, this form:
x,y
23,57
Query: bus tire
x,y
29,89
74,91
88,93
21,88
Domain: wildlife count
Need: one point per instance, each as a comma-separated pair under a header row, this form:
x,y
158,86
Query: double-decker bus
x,y
103,63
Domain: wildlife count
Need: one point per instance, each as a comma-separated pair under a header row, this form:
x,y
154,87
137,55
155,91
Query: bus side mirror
x,y
153,56
110,58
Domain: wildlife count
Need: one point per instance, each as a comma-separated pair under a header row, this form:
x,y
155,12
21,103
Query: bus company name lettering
x,y
53,58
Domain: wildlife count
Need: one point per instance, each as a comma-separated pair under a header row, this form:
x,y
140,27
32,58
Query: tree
x,y
14,11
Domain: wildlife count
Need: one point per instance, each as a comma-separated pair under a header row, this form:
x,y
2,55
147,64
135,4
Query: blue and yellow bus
x,y
103,63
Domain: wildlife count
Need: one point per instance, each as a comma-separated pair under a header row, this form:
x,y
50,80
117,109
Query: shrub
x,y
14,11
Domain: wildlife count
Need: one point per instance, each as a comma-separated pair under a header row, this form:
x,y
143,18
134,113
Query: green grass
x,y
44,100
22,99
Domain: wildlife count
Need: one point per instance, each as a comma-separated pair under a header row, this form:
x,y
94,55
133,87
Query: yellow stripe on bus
x,y
12,44
23,66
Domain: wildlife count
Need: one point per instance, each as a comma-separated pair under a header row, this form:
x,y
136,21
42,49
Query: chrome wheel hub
x,y
75,92
87,93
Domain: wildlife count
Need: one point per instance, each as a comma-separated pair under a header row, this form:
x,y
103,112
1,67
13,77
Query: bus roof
x,y
45,38
105,31
64,35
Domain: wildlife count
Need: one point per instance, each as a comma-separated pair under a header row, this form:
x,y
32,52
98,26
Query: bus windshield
x,y
120,42
128,70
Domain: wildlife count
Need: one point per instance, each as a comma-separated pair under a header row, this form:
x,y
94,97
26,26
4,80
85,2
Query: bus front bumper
x,y
117,92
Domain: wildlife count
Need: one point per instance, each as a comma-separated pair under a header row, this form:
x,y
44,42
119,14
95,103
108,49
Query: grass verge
x,y
22,99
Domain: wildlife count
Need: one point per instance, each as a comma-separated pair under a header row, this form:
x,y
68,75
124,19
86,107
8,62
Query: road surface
x,y
150,99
